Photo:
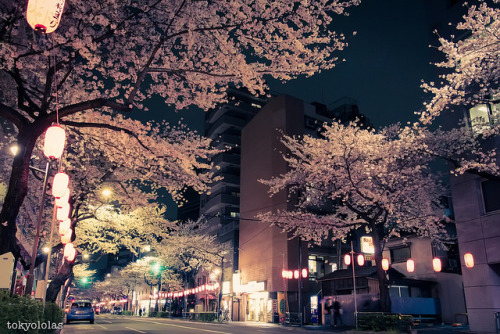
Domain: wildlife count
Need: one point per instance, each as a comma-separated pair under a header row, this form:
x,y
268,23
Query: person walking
x,y
337,313
140,312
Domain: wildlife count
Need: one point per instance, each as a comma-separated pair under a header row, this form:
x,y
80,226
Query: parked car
x,y
117,310
81,310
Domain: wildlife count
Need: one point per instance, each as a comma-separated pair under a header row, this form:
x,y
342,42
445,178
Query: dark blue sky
x,y
385,62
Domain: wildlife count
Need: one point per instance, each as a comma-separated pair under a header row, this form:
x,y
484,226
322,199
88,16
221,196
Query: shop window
x,y
490,190
400,254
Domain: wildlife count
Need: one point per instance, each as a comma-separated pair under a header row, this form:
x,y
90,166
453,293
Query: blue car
x,y
81,310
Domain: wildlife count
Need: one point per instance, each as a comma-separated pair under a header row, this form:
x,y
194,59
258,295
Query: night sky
x,y
385,62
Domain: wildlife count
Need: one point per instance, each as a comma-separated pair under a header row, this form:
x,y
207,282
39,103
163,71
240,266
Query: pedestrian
x,y
140,312
337,313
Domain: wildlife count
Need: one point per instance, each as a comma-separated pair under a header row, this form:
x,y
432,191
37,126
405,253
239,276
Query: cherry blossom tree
x,y
471,64
470,78
116,55
353,178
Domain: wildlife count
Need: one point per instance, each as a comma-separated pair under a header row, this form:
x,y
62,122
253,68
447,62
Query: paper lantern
x,y
66,237
64,226
44,15
361,260
436,264
64,199
284,273
410,265
385,264
290,274
53,145
347,259
305,273
60,184
63,212
69,252
296,274
469,260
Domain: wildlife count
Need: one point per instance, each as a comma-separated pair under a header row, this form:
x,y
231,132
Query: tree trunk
x,y
62,275
385,299
18,187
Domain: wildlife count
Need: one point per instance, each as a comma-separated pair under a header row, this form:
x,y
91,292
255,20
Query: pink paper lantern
x,y
60,184
385,264
69,252
436,264
55,138
347,259
469,260
410,265
66,237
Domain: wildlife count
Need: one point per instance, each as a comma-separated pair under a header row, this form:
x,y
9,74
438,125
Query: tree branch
x,y
107,126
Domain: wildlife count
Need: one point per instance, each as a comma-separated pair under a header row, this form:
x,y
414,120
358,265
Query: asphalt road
x,y
133,325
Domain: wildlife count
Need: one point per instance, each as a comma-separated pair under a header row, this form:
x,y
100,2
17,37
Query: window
x,y
491,199
400,254
483,116
399,291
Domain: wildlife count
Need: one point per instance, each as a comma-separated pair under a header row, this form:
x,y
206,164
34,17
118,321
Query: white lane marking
x,y
168,324
196,328
102,327
106,321
135,329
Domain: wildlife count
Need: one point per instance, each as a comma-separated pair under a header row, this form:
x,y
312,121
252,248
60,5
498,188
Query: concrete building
x,y
476,204
221,208
265,251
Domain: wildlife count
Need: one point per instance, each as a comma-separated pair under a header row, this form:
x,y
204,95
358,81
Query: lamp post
x,y
219,305
29,282
349,260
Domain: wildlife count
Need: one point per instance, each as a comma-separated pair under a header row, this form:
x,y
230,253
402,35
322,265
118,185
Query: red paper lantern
x,y
361,260
410,265
296,274
60,184
284,273
469,260
347,259
436,264
385,264
69,252
305,273
53,145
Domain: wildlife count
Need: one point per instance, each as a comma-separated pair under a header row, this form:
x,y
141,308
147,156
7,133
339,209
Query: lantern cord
x,y
55,90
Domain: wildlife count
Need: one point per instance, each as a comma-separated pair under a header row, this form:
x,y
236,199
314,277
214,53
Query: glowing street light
x,y
14,149
106,192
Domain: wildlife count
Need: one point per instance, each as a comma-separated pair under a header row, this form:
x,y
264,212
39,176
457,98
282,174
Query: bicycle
x,y
224,316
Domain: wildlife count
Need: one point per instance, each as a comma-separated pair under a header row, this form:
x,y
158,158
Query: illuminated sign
x,y
367,245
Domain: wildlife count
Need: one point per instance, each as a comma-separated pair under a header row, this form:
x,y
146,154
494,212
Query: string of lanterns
x,y
294,274
410,263
202,288
55,140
